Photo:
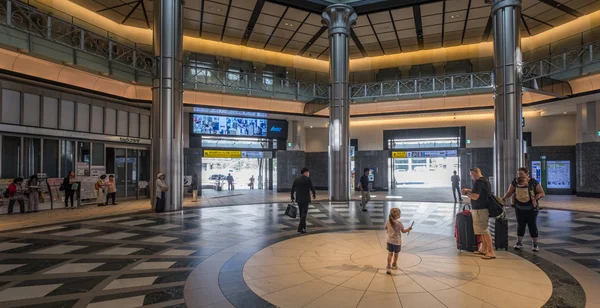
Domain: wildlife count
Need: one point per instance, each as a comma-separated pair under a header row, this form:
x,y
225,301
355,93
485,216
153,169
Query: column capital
x,y
339,18
498,4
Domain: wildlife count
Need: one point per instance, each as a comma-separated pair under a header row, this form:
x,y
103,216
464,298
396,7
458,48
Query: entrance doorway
x,y
129,166
216,170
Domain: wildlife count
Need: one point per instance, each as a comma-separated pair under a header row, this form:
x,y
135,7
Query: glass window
x,y
11,146
132,172
233,76
98,154
67,157
51,158
120,172
32,156
83,152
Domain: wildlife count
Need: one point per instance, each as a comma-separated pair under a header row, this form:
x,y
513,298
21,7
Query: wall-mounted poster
x,y
536,170
559,174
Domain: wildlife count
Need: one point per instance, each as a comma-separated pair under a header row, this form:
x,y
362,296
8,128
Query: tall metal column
x,y
508,137
339,18
167,101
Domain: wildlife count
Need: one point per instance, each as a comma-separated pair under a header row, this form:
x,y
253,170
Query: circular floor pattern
x,y
347,269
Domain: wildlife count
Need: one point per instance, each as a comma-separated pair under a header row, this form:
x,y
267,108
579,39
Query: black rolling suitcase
x,y
464,232
501,233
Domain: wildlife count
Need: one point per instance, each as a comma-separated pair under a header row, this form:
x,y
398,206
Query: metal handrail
x,y
423,86
200,78
569,59
28,19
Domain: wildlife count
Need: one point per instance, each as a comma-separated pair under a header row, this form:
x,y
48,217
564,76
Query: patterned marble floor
x,y
201,257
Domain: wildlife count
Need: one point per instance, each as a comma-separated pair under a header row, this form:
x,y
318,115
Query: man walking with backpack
x,y
479,196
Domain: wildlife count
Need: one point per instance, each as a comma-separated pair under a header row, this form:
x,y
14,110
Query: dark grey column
x,y
508,144
167,101
339,18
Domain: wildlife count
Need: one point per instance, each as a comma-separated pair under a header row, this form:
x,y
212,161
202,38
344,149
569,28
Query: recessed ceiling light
x,y
311,126
565,112
454,16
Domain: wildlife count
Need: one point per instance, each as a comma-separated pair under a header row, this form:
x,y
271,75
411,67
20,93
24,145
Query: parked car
x,y
216,177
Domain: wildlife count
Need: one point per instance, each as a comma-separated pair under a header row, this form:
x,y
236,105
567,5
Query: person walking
x,y
363,186
100,192
455,179
111,190
480,213
252,180
69,192
229,182
161,191
527,192
16,194
301,190
33,190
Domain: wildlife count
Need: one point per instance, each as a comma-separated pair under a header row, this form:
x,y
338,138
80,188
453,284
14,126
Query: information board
x,y
559,174
222,154
536,170
422,154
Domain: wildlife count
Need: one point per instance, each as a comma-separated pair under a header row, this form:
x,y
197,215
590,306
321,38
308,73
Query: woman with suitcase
x,y
526,206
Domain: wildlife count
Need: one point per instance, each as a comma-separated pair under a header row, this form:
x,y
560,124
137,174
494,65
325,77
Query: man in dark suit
x,y
303,186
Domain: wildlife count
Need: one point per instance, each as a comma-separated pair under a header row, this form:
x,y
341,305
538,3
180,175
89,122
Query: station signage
x,y
222,154
421,154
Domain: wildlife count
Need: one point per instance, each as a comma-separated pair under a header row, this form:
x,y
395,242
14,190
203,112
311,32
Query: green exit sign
x,y
289,144
468,141
599,133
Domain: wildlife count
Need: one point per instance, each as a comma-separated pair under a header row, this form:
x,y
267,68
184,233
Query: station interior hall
x,y
299,153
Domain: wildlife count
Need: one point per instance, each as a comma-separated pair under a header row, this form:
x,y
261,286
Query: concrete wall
x,y
317,163
546,131
588,169
289,164
373,159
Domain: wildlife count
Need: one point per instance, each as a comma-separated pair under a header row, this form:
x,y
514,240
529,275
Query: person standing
x,y
229,182
479,210
100,195
16,194
302,188
526,206
111,190
455,179
252,182
33,189
363,186
161,191
69,192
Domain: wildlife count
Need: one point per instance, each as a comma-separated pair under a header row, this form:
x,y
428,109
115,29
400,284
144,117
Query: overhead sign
x,y
257,154
222,154
399,154
422,154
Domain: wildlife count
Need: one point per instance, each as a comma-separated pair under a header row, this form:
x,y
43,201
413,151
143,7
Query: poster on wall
x,y
97,170
536,170
559,174
83,169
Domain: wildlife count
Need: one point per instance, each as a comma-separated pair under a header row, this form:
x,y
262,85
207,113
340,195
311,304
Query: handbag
x,y
291,210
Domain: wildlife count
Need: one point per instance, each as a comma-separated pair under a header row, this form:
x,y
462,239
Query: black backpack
x,y
6,193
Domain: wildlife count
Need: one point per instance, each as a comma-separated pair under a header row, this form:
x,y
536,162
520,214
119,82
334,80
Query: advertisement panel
x,y
216,125
559,174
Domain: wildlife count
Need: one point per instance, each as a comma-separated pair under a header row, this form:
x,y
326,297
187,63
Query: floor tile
x,y
130,282
59,249
159,239
73,268
129,302
153,265
17,293
75,232
116,236
581,250
121,251
9,246
178,252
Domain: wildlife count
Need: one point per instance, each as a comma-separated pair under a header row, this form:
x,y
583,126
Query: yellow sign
x,y
399,154
222,154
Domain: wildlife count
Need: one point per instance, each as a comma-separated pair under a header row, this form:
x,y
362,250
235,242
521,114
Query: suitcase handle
x,y
465,206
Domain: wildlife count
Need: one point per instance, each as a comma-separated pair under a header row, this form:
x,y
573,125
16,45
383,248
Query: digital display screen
x,y
536,170
228,126
559,174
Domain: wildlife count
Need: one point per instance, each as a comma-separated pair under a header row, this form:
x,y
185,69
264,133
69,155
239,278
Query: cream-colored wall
x,y
546,131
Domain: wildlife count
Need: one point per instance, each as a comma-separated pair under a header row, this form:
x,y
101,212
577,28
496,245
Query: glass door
x,y
121,172
132,172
